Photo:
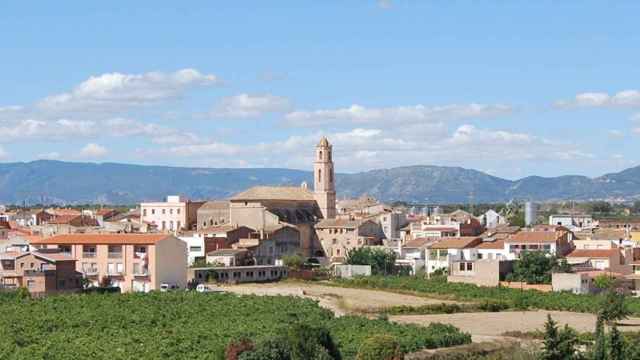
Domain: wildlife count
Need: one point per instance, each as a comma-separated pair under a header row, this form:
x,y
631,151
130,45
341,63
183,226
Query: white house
x,y
491,219
443,253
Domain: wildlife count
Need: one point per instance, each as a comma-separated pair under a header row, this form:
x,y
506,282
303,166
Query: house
x,y
600,259
339,236
271,244
230,257
172,215
456,224
572,221
213,213
491,219
208,239
237,274
133,262
481,272
413,253
631,223
443,253
42,273
557,242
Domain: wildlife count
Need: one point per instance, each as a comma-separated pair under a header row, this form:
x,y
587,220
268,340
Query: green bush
x,y
276,348
380,347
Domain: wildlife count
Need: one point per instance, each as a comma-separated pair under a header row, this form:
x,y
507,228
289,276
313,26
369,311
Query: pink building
x,y
133,262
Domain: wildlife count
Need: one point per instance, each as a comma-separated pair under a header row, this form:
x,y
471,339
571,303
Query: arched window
x,y
319,175
320,155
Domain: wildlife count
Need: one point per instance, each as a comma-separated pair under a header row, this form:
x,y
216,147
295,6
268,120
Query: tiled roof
x,y
457,242
592,253
55,257
439,228
218,228
70,239
275,193
491,245
420,242
609,234
226,252
217,204
533,237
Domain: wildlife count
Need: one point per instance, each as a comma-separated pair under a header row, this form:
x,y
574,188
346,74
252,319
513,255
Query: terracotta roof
x,y
549,228
609,234
592,253
62,212
491,245
63,219
457,242
420,242
227,252
439,228
275,193
218,228
54,257
70,239
533,237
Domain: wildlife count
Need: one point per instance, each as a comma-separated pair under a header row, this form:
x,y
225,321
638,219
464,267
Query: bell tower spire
x,y
324,180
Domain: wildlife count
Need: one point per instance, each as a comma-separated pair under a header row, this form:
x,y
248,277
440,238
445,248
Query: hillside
x,y
68,182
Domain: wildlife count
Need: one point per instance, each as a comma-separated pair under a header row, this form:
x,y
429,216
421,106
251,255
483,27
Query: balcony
x,y
115,273
90,271
89,254
115,255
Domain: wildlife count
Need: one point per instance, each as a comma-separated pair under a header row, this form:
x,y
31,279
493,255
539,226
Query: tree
x,y
603,281
600,346
534,267
293,261
616,345
105,282
613,307
558,344
517,219
380,347
381,261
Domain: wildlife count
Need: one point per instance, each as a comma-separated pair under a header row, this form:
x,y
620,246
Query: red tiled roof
x,y
439,228
71,239
420,242
457,242
489,245
533,237
592,253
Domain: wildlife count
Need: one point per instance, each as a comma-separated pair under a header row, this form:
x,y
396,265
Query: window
x,y
171,225
319,175
164,225
120,268
335,241
31,284
178,211
320,155
144,212
115,251
61,284
153,211
338,252
195,248
462,267
164,211
111,268
469,266
170,211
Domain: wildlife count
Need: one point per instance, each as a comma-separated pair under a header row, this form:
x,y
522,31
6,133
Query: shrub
x,y
276,348
380,347
305,340
237,347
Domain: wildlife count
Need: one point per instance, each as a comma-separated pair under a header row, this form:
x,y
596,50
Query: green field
x,y
504,297
180,325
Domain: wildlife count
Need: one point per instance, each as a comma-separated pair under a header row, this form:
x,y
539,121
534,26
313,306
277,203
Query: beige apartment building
x,y
133,262
339,236
172,215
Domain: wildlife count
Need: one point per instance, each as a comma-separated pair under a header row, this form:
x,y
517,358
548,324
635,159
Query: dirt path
x,y
495,324
339,300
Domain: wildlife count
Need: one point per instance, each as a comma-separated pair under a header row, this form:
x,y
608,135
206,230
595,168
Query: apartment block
x,y
133,262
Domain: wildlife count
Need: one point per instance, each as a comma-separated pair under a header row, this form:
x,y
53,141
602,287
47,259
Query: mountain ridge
x,y
53,181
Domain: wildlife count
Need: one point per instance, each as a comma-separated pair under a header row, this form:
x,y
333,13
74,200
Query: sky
x,y
511,88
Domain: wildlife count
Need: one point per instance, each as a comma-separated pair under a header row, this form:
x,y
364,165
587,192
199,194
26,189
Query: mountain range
x,y
48,181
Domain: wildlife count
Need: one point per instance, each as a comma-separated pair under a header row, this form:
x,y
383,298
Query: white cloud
x,y
385,4
115,91
628,98
92,150
615,133
49,156
246,105
10,108
397,115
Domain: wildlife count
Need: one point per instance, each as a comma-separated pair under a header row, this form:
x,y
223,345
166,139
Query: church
x,y
284,217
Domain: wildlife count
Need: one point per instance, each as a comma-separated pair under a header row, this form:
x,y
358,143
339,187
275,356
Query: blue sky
x,y
512,88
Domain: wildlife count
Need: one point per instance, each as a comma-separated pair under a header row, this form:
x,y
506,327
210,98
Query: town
x,y
269,234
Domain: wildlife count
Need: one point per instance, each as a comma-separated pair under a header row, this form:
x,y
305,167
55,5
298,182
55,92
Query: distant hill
x,y
68,182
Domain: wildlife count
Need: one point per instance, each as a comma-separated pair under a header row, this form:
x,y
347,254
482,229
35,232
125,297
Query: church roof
x,y
275,193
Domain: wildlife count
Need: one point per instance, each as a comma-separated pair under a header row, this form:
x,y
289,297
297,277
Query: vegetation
x,y
614,307
182,325
559,344
507,297
380,347
382,262
535,267
293,261
603,281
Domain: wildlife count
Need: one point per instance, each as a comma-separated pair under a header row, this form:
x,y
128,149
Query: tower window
x,y
319,175
320,155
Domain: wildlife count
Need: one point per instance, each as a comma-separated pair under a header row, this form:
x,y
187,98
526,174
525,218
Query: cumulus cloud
x,y
626,98
247,105
91,151
397,115
115,91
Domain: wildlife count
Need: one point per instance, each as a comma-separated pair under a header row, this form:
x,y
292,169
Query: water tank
x,y
530,213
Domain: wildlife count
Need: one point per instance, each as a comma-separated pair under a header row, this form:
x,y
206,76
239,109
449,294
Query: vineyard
x,y
180,326
500,297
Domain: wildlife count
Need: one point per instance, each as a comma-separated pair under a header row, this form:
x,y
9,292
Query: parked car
x,y
167,287
202,288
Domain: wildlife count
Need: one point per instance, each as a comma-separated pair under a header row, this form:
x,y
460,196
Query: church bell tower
x,y
324,181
